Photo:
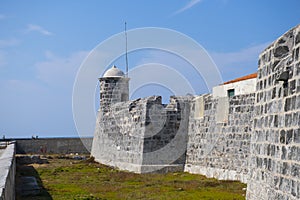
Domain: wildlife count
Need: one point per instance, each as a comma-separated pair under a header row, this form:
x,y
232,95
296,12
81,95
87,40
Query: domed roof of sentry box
x,y
113,72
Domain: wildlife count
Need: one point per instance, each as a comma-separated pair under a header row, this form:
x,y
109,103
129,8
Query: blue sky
x,y
43,43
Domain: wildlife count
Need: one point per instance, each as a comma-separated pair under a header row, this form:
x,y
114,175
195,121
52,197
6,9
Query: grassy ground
x,y
70,179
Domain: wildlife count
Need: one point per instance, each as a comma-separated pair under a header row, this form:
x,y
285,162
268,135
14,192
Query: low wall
x,y
8,171
54,145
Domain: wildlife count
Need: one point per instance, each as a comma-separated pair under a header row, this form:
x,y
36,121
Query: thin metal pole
x,y
126,51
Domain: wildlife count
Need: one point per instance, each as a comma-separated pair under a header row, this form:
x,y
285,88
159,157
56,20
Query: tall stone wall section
x,y
143,135
118,138
275,142
219,136
166,135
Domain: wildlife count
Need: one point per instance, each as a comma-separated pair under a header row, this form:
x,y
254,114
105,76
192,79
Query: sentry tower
x,y
114,88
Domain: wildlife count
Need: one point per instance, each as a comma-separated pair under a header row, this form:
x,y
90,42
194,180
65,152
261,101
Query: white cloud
x,y
188,6
8,42
4,54
33,27
239,62
59,71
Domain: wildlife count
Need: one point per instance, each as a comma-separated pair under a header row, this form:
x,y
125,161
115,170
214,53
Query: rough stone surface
x,y
275,148
220,148
143,135
113,90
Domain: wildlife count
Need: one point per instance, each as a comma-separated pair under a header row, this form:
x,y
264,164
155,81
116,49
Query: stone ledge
x,y
220,174
162,168
141,169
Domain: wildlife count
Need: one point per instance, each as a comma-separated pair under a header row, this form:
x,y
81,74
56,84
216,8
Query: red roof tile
x,y
254,75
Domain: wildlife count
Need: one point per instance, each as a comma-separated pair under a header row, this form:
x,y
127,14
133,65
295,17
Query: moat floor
x,y
66,178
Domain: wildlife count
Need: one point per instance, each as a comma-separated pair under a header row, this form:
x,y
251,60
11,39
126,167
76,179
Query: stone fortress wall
x,y
275,142
118,138
219,135
198,134
131,134
251,137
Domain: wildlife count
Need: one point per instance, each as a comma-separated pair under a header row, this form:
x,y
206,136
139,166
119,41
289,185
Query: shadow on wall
x,y
29,185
